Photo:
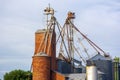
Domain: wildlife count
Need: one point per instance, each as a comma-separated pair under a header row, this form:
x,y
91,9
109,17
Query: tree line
x,y
18,75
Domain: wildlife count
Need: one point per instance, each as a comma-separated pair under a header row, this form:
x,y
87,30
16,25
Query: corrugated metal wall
x,y
116,68
63,67
104,66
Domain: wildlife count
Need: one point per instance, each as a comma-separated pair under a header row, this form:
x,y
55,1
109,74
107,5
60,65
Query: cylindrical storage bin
x,y
41,66
78,70
91,72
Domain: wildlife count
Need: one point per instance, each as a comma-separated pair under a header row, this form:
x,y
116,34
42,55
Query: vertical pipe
x,y
116,68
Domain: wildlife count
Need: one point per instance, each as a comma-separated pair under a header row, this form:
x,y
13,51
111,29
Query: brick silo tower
x,y
41,66
47,45
44,59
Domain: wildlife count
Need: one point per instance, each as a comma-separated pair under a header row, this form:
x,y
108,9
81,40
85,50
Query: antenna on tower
x,y
49,11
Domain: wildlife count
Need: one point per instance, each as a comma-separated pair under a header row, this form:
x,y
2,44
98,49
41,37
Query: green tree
x,y
18,75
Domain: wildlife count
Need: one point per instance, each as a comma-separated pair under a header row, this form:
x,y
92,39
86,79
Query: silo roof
x,y
41,54
42,30
99,57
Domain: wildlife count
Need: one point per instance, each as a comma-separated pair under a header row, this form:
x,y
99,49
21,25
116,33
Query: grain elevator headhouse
x,y
44,59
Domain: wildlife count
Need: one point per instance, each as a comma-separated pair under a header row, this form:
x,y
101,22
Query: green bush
x,y
18,75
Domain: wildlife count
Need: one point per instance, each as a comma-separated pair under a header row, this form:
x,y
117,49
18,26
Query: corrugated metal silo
x,y
103,64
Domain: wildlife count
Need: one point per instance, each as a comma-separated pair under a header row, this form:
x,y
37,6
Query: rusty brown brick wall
x,y
51,51
41,68
57,76
39,37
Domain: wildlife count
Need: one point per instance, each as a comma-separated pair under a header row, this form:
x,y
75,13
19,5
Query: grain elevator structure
x,y
57,47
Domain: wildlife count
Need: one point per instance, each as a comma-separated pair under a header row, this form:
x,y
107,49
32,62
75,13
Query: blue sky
x,y
19,19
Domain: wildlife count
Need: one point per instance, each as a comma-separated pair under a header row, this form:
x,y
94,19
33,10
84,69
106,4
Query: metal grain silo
x,y
116,67
91,72
41,66
103,64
